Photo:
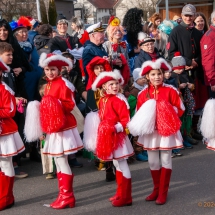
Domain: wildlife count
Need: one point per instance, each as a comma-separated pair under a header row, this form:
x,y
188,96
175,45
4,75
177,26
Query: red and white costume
x,y
157,124
112,142
10,142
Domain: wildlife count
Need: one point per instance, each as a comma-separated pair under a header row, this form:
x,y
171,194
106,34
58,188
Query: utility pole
x,y
38,11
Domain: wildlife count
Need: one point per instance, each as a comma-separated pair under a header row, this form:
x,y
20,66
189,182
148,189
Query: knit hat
x,y
157,64
166,26
90,69
137,74
22,22
4,67
144,38
178,62
54,60
104,77
189,9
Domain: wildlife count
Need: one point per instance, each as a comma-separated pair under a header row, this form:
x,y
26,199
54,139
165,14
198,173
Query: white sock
x,y
7,166
63,165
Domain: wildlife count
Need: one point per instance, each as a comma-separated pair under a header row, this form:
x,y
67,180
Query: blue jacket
x,y
90,51
31,35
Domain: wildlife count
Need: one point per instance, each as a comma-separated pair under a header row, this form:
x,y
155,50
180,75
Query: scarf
x,y
187,26
138,86
26,46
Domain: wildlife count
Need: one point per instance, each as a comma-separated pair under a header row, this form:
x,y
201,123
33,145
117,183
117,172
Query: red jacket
x,y
60,89
7,111
164,92
208,56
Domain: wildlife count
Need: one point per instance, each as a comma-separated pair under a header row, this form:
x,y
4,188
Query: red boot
x,y
66,198
125,198
118,182
156,180
164,186
6,191
60,186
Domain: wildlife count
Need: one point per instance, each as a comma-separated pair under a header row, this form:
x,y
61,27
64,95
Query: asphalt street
x,y
192,189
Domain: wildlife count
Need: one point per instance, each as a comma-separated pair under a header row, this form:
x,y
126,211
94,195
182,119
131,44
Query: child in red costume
x,y
10,142
112,141
63,138
158,125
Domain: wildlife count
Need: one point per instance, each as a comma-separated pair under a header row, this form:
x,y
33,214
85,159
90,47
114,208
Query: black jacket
x,y
40,42
144,56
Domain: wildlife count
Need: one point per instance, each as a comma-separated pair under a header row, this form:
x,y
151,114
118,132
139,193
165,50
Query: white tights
x,y
154,159
122,166
6,165
62,165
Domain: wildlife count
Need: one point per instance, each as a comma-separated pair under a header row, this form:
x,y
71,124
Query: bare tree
x,y
11,9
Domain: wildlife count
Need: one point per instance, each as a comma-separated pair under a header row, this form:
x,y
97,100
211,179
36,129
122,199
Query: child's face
x,y
98,69
155,77
7,57
141,81
167,75
51,72
111,87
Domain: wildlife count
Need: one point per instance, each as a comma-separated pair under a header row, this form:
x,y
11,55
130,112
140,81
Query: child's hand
x,y
190,86
117,62
17,71
24,101
182,86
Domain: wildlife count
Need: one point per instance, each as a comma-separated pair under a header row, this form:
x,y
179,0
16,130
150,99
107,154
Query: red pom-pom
x,y
24,21
108,140
51,113
177,54
168,122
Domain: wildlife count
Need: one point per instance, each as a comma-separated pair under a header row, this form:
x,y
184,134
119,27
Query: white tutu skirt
x,y
62,143
11,145
123,152
155,141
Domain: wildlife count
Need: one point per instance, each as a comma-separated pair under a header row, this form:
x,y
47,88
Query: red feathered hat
x,y
158,64
90,69
4,67
104,77
54,60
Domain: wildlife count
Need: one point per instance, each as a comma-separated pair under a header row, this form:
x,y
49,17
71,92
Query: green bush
x,y
52,13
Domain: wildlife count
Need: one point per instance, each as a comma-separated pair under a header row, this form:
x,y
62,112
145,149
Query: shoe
x,y
191,140
141,157
19,174
178,154
101,165
163,186
145,153
74,163
156,181
173,155
118,183
187,145
110,176
6,191
125,198
66,197
196,135
50,176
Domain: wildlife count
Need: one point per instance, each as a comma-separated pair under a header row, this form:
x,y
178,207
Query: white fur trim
x,y
207,126
7,67
91,125
32,129
155,65
69,84
143,122
8,88
44,61
122,97
115,75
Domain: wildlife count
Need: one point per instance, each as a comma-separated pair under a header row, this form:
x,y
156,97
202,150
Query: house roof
x,y
161,3
103,4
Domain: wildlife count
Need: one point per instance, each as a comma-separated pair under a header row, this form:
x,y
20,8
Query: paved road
x,y
193,183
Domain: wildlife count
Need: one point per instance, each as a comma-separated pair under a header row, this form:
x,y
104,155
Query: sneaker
x,y
19,174
50,176
192,141
173,155
145,153
187,145
141,157
74,163
178,154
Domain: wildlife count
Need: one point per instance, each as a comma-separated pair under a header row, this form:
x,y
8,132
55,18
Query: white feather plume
x,y
91,125
32,129
143,122
207,126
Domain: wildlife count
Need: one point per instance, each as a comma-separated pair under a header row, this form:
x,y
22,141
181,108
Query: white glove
x,y
118,127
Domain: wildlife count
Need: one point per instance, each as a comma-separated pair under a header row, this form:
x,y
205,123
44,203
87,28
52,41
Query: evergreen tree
x,y
43,12
52,13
